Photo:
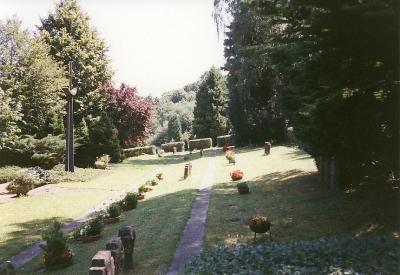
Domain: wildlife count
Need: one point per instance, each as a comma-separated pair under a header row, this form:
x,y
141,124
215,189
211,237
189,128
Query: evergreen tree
x,y
70,38
175,128
210,111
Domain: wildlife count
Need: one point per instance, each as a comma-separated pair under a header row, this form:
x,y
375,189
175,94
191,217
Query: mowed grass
x,y
24,219
285,187
158,222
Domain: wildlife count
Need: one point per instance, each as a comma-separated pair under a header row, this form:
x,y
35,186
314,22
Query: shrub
x,y
137,151
57,252
114,210
43,176
153,182
334,255
130,201
8,173
243,188
202,143
144,188
91,227
224,140
22,184
169,147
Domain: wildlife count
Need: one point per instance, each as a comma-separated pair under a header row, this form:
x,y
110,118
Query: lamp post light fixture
x,y
70,92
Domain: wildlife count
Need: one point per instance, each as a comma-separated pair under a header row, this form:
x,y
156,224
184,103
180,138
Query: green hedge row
x,y
137,151
222,140
169,147
202,143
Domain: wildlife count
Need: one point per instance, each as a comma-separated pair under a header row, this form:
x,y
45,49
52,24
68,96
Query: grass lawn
x,y
23,219
285,187
158,221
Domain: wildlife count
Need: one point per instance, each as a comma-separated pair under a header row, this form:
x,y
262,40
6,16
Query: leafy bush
x,y
22,184
202,143
113,210
8,173
243,188
130,201
169,147
137,151
57,252
365,255
224,140
43,176
91,227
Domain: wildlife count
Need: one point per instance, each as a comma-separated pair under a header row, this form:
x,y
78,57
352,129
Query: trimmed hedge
x,y
137,151
169,147
201,143
222,140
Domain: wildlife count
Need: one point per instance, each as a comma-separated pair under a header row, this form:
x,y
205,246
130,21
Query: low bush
x,y
137,151
335,255
224,140
243,188
130,201
22,184
91,227
56,250
113,210
43,176
202,143
169,147
8,173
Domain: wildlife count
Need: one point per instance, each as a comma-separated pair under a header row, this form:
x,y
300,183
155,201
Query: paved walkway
x,y
191,240
34,250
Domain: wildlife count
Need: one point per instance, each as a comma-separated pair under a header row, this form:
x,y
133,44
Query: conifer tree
x,y
175,128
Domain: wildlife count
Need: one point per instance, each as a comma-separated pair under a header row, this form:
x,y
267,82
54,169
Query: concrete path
x,y
191,240
34,250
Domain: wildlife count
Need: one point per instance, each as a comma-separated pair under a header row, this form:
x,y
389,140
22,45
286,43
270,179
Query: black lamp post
x,y
70,92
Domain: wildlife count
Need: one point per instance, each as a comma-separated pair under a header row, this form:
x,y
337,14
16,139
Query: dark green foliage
x,y
353,255
113,210
202,143
137,151
174,128
243,188
153,182
27,151
225,140
92,227
130,201
57,252
169,147
210,115
102,139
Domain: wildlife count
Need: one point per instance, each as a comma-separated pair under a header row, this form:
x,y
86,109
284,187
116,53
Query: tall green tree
x,y
175,128
210,112
31,77
71,38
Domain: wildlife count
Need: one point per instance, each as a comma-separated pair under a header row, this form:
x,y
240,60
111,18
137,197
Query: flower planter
x,y
89,239
236,175
140,197
111,220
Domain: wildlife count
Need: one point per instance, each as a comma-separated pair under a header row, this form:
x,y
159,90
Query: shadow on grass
x,y
27,234
299,208
158,223
298,154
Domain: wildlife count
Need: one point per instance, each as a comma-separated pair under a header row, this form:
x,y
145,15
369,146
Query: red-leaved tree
x,y
130,113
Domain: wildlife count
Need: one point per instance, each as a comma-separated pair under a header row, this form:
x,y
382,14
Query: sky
x,y
155,45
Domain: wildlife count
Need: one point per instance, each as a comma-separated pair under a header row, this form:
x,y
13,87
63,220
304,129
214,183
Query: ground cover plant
x,y
24,219
333,255
158,221
8,173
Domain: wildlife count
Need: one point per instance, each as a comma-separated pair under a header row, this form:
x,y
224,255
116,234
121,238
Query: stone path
x,y
191,240
34,250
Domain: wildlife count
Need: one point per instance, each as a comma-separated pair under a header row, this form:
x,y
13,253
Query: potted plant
x,y
153,182
259,223
56,251
144,188
159,176
243,188
90,230
130,200
236,175
113,213
230,156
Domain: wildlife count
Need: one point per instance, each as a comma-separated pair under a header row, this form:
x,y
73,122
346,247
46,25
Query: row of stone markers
x,y
118,254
